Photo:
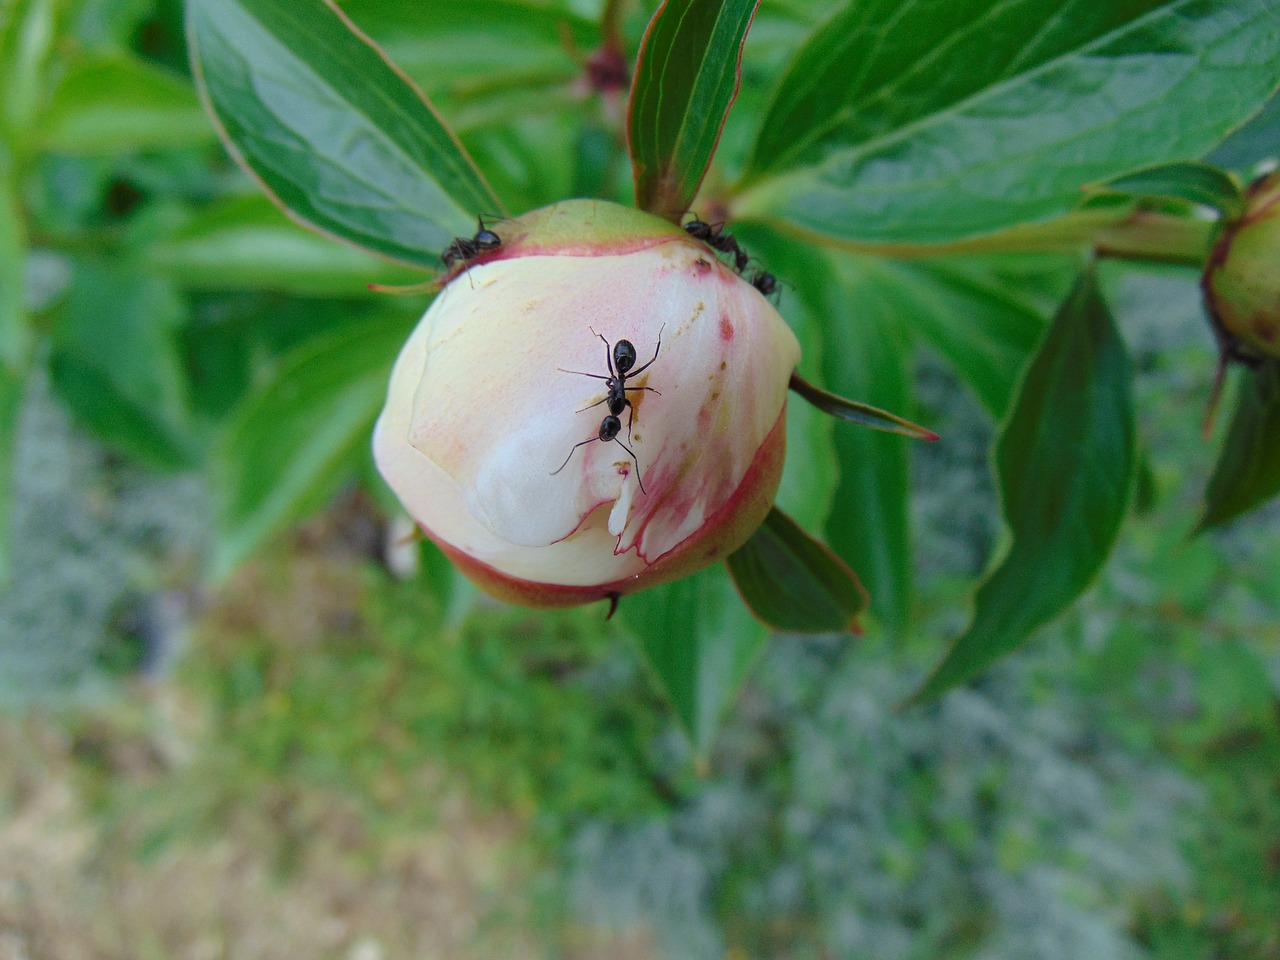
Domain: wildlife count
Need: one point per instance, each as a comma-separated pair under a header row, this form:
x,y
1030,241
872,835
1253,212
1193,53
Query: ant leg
x,y
631,415
650,389
590,405
639,479
583,373
570,456
633,373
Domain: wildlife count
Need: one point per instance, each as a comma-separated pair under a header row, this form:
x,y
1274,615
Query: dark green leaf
x,y
700,642
1248,468
116,364
792,582
246,242
331,129
120,103
1065,462
687,76
1193,182
289,441
906,121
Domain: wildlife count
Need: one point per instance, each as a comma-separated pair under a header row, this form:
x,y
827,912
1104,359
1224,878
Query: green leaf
x,y
469,52
28,29
1255,140
1193,182
13,253
868,356
1248,468
687,76
1065,464
700,642
792,582
288,443
862,349
11,391
119,103
246,242
906,121
983,318
116,364
331,129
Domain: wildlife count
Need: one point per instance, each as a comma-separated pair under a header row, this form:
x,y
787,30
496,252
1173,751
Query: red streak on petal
x,y
726,329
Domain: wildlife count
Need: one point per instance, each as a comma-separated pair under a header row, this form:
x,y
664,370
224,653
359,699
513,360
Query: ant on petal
x,y
717,239
621,358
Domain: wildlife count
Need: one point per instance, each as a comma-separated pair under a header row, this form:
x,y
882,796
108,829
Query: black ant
x,y
465,249
621,358
717,239
765,282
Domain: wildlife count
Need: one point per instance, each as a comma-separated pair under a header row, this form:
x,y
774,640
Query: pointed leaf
x,y
792,582
859,413
1065,464
700,641
28,29
687,76
1193,182
333,131
1248,468
918,122
286,444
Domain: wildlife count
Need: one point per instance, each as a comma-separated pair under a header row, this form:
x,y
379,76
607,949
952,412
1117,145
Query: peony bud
x,y
1242,279
492,432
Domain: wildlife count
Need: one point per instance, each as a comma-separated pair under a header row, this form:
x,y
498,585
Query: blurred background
x,y
230,729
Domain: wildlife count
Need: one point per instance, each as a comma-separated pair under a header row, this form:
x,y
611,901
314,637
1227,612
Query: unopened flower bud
x,y
548,473
1242,279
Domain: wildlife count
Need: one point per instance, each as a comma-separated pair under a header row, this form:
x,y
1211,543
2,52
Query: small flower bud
x,y
1242,279
550,463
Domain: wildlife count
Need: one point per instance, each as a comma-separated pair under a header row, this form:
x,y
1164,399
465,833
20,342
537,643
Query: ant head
x,y
486,239
766,283
624,356
610,427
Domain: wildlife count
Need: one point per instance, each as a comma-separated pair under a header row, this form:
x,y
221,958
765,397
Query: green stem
x,y
1119,233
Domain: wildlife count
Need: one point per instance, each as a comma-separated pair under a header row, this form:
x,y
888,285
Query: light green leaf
x,y
331,129
475,51
246,242
910,121
687,76
700,642
116,103
28,29
1065,464
290,441
1248,469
